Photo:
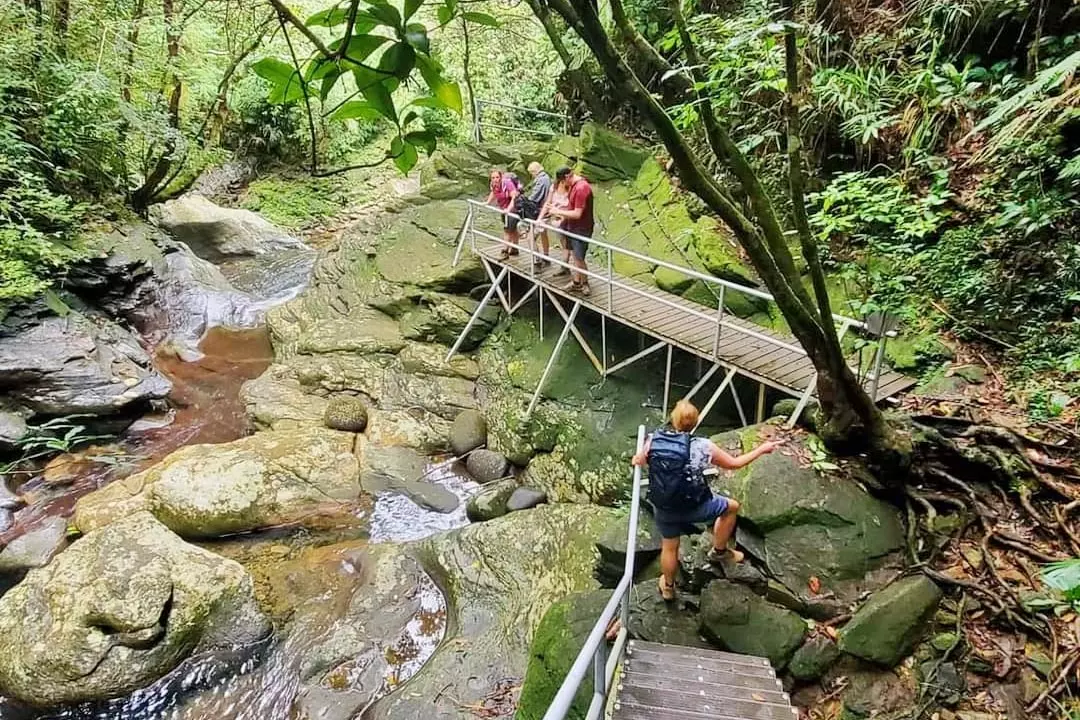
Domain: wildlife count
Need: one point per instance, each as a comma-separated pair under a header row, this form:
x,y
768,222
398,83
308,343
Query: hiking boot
x,y
719,557
561,272
584,288
540,263
571,287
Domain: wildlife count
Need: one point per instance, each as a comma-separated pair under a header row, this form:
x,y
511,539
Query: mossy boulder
x,y
468,432
605,155
555,646
490,502
418,249
736,619
525,498
886,628
612,545
441,318
815,657
812,524
916,352
346,413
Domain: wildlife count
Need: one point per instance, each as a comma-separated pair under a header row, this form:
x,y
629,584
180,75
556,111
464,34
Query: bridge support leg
x,y
540,296
496,282
738,405
465,228
760,414
667,379
701,382
715,396
603,343
475,315
802,403
551,360
578,336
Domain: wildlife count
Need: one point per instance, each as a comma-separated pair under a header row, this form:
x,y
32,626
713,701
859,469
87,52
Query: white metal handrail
x,y
478,119
595,651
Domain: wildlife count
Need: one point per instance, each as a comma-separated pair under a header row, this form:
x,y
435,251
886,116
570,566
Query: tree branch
x,y
303,88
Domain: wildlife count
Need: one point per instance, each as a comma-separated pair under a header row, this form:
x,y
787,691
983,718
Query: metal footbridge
x,y
723,342
634,680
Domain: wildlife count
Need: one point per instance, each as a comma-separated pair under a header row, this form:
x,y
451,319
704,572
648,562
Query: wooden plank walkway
x,y
679,322
667,682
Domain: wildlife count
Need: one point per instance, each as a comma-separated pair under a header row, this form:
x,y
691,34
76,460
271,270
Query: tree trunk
x,y
61,21
581,80
467,71
152,184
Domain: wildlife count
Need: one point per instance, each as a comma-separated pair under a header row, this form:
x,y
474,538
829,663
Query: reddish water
x,y
206,408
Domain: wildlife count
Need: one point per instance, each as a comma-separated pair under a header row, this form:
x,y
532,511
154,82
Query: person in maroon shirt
x,y
578,223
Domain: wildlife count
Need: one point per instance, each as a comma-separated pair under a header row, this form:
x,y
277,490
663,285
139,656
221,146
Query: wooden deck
x,y
637,305
667,682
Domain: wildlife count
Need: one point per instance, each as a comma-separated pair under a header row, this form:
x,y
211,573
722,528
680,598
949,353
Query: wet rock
x,y
736,619
612,546
117,610
8,499
813,524
525,498
415,428
276,400
490,502
402,470
216,233
427,359
12,429
442,318
654,619
468,432
346,413
35,548
885,629
487,465
814,658
77,365
873,693
7,519
205,491
502,576
606,155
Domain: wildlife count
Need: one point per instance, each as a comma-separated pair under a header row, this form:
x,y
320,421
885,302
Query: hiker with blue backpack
x,y
680,494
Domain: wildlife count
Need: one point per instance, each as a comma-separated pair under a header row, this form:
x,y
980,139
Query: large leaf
x,y
329,82
448,93
399,59
428,102
411,6
416,35
386,14
445,14
285,81
1064,576
360,46
379,96
422,138
481,18
356,109
404,154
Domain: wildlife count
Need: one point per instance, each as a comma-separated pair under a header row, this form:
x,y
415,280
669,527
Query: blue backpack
x,y
673,484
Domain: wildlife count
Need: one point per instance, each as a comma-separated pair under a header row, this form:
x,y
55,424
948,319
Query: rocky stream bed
x,y
392,539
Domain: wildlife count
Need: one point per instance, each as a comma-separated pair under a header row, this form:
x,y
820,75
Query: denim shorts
x,y
579,247
510,222
676,524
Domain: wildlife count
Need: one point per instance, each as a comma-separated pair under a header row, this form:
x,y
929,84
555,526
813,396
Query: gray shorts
x,y
579,247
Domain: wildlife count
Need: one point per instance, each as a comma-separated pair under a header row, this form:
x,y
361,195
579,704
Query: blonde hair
x,y
535,167
684,417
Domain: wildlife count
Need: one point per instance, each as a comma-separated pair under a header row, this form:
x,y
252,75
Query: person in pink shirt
x,y
504,191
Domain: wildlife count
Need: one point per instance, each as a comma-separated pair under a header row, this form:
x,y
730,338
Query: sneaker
x,y
540,263
719,557
561,272
571,287
584,287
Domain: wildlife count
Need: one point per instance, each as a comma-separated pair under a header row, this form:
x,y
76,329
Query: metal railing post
x,y
477,105
609,278
719,322
878,358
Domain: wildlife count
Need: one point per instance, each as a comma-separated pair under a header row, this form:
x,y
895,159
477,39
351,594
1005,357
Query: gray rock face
x,y
205,491
490,502
77,365
736,619
487,465
468,432
402,470
117,610
885,629
12,429
36,548
524,498
815,656
612,546
216,233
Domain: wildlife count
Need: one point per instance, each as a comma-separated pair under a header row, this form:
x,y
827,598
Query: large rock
x,y
419,250
117,610
606,155
77,365
815,657
525,498
738,620
502,577
442,318
490,502
612,545
812,524
216,233
35,548
468,432
12,430
885,629
487,465
403,470
206,491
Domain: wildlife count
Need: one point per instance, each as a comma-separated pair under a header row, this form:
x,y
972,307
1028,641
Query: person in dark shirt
x,y
531,204
578,223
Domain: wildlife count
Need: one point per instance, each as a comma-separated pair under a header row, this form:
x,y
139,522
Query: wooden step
x,y
653,651
691,700
713,686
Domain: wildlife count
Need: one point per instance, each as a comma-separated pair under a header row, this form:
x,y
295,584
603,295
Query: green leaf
x,y
1064,576
444,14
379,96
386,14
356,109
360,47
399,59
329,82
285,81
411,6
409,117
448,93
416,35
404,154
54,303
329,17
422,138
481,18
428,102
